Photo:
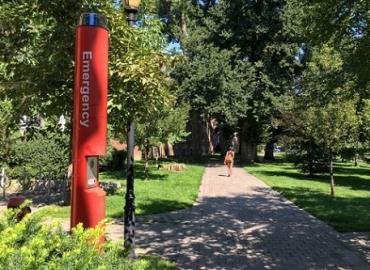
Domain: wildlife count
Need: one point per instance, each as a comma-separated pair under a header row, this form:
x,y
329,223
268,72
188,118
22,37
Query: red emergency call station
x,y
89,120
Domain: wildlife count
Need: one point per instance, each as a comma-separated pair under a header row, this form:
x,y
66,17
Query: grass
x,y
152,263
164,191
349,211
54,211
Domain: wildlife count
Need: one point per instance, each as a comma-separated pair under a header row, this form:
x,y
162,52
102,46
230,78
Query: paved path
x,y
359,241
240,223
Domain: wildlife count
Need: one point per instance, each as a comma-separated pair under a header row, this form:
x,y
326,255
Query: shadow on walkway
x,y
240,223
246,232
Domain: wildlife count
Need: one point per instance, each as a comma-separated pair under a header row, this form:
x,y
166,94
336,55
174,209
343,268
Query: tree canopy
x,y
268,69
37,58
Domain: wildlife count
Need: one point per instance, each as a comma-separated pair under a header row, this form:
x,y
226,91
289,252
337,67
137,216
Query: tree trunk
x,y
332,183
195,135
248,147
170,152
269,151
146,162
161,151
249,152
210,137
184,28
310,161
199,138
310,168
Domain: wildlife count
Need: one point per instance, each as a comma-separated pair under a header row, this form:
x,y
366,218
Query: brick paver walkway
x,y
240,223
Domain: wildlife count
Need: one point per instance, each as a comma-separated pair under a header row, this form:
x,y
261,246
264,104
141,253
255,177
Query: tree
x,y
325,108
321,132
37,48
214,86
299,143
251,42
346,25
6,122
37,54
332,129
138,83
167,126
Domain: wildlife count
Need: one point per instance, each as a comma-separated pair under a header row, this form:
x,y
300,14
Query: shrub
x,y
114,159
110,188
49,153
312,162
306,156
31,245
117,161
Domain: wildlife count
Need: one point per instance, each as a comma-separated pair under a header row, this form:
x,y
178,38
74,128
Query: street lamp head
x,y
132,4
131,7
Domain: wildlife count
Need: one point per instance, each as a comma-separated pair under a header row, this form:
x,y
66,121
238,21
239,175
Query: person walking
x,y
229,160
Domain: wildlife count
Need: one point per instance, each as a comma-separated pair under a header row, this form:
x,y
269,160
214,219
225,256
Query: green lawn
x,y
164,191
151,263
349,211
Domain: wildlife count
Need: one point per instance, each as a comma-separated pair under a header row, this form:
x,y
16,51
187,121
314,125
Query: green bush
x,y
49,153
114,159
310,159
31,245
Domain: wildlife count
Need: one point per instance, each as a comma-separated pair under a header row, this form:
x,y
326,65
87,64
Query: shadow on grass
x,y
344,214
203,160
154,173
150,207
360,170
161,206
354,181
139,174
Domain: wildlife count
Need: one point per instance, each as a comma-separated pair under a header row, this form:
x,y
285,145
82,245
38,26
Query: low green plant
x,y
32,245
46,153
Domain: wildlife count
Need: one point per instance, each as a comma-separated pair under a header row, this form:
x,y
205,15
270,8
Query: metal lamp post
x,y
131,8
